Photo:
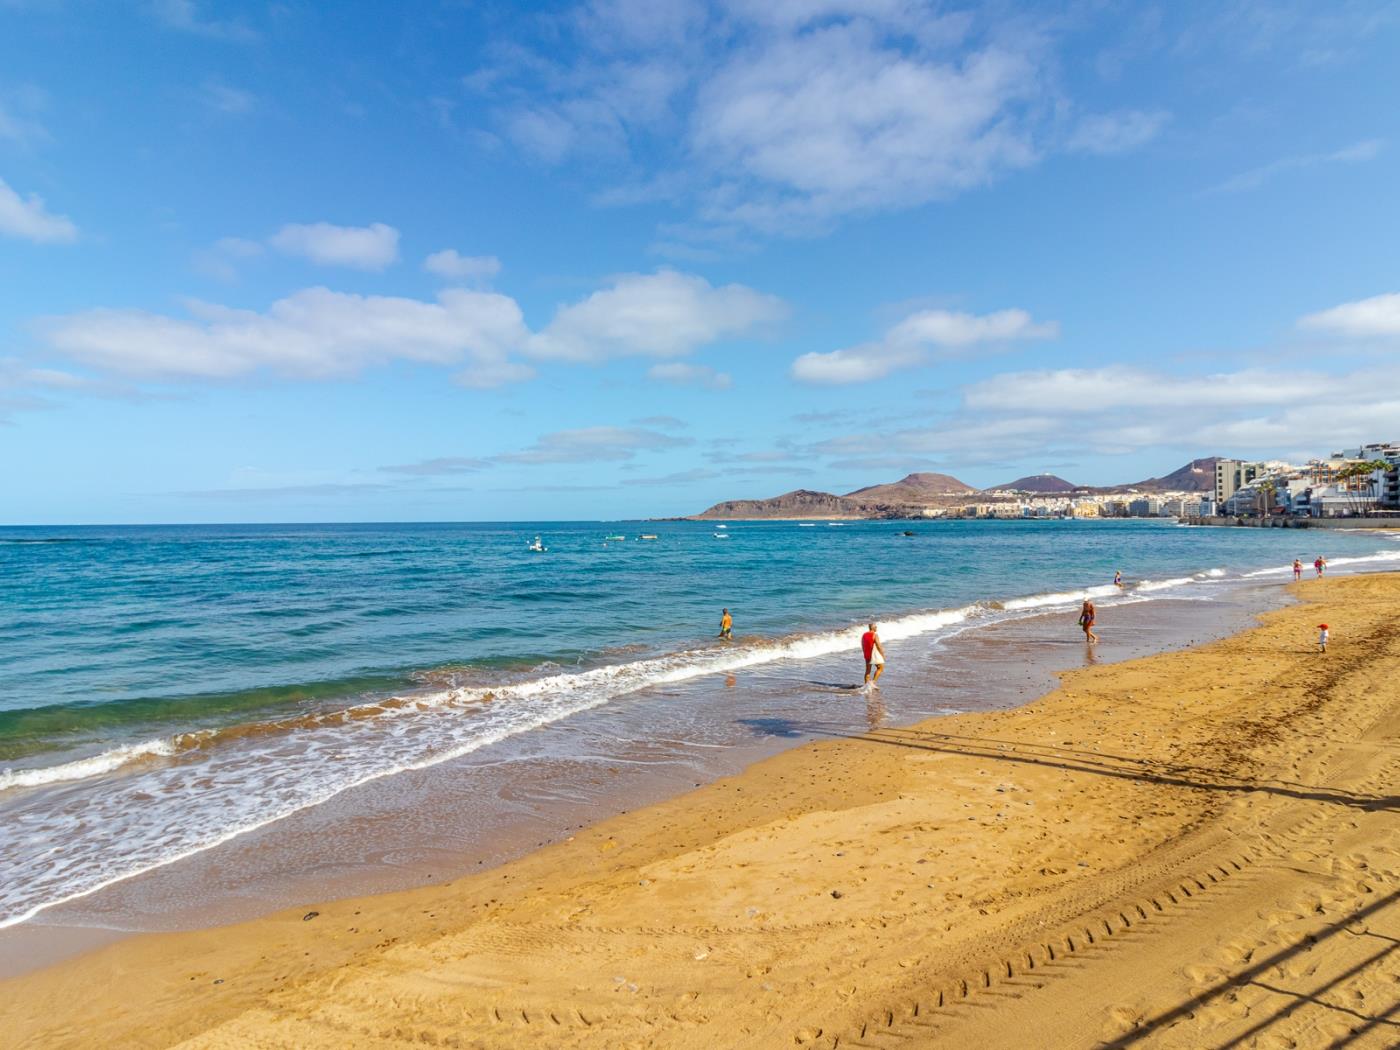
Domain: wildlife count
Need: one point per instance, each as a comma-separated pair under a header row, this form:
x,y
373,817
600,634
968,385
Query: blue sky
x,y
282,261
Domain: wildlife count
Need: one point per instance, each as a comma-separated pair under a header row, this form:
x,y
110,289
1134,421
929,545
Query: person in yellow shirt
x,y
726,626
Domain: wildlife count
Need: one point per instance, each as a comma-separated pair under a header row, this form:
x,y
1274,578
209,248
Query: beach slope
x,y
1194,849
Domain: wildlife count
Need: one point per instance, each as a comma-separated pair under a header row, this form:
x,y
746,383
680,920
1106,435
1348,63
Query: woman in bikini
x,y
1086,621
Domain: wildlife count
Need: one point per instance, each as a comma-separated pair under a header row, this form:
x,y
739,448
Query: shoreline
x,y
982,667
788,902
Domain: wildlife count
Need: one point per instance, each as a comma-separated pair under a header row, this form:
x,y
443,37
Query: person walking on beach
x,y
1319,565
1297,570
1118,578
1087,615
1322,637
874,651
726,626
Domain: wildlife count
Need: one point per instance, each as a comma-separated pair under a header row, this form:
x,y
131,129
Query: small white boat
x,y
648,536
806,524
721,535
721,526
537,547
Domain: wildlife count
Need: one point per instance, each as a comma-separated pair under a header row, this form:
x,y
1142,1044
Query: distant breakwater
x,y
1295,523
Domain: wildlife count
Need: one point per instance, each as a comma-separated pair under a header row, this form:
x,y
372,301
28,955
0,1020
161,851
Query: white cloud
x,y
947,328
1378,316
1076,391
842,119
665,314
856,364
1107,133
452,265
915,340
683,373
1357,153
312,333
24,387
372,247
784,116
187,17
1027,416
317,332
29,219
906,14
594,444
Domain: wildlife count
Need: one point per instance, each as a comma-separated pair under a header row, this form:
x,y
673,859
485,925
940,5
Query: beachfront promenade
x,y
1195,849
1290,522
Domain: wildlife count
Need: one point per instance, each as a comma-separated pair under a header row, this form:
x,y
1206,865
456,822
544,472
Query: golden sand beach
x,y
1196,849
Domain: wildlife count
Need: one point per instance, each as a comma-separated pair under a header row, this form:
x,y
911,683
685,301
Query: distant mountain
x,y
801,503
911,495
1196,476
1043,483
914,488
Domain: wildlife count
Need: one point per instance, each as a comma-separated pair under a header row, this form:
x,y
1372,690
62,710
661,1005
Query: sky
x,y
626,258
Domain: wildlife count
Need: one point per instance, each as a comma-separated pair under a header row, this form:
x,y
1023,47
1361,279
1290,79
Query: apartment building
x,y
1231,475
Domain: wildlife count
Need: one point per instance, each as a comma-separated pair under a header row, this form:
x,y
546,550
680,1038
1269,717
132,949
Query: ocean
x,y
166,690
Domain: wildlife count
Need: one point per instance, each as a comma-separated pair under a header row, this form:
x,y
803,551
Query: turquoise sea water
x,y
163,689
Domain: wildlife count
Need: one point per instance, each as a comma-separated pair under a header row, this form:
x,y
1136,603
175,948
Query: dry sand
x,y
1198,849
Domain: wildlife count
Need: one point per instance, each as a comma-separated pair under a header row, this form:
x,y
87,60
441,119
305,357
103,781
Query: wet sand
x,y
1198,848
430,826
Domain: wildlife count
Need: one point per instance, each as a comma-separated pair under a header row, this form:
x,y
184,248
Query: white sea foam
x,y
82,768
1037,601
1163,585
1378,558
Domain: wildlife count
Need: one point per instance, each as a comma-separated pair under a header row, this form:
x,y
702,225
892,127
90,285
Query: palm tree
x,y
1265,497
1352,474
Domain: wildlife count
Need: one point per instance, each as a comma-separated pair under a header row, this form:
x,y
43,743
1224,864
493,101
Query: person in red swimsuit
x,y
874,652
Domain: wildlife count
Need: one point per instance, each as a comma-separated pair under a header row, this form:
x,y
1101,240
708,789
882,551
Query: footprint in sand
x,y
1121,1019
1201,975
1236,953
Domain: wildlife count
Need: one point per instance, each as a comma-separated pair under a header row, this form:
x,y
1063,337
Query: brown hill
x,y
1196,476
914,488
801,503
1041,483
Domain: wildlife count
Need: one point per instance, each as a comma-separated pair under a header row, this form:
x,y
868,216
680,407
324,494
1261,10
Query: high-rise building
x,y
1231,475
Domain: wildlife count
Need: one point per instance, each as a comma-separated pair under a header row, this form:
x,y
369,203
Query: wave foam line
x,y
82,768
1360,559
